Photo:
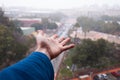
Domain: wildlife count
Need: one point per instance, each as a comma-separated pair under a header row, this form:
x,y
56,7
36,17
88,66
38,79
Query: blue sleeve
x,y
36,66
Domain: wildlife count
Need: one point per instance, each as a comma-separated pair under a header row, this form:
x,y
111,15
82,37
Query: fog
x,y
57,4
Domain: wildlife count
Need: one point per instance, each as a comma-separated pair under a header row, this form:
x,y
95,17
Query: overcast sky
x,y
56,4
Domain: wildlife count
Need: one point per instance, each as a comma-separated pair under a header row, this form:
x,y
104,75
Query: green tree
x,y
37,26
99,25
94,54
10,49
110,27
17,23
110,18
86,23
77,25
45,23
13,46
52,26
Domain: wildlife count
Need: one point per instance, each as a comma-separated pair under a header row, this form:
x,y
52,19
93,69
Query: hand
x,y
51,46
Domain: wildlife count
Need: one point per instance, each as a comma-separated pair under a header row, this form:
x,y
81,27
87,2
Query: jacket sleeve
x,y
36,66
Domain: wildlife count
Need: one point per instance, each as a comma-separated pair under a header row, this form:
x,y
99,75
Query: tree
x,y
77,25
75,28
13,46
94,54
17,23
110,18
52,26
37,26
45,23
3,19
10,49
110,27
88,24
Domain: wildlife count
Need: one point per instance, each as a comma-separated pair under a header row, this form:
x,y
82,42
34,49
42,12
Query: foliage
x,y
77,25
111,28
13,46
37,26
10,49
17,23
94,54
45,24
98,25
110,18
64,73
52,26
12,25
3,20
86,23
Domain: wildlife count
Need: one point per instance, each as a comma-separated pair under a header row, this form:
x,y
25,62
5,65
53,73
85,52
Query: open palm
x,y
53,45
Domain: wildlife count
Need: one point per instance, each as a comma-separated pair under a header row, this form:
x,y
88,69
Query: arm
x,y
37,66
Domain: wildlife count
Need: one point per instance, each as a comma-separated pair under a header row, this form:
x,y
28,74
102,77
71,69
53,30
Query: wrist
x,y
44,51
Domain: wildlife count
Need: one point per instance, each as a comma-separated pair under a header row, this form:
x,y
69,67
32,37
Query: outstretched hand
x,y
51,46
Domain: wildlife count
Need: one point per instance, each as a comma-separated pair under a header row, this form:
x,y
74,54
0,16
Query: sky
x,y
56,4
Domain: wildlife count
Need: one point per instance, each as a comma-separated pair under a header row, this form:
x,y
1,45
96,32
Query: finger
x,y
40,32
54,36
68,47
61,39
46,35
34,34
65,41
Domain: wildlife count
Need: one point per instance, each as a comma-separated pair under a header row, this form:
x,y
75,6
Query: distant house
x,y
27,30
28,22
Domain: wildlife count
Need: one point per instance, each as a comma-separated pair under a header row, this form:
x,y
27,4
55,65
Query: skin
x,y
51,46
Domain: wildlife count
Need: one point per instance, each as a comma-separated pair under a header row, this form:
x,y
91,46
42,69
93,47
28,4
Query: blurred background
x,y
93,25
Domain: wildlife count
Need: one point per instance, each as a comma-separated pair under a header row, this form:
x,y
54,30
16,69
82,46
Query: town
x,y
95,31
